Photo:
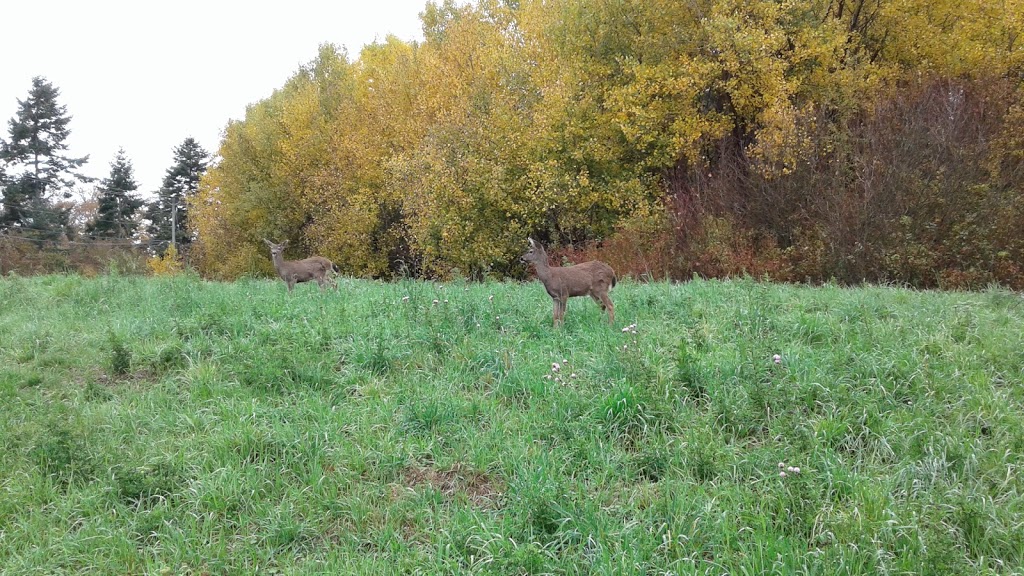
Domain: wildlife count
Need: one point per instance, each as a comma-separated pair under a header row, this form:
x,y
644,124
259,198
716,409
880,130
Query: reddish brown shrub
x,y
926,188
28,256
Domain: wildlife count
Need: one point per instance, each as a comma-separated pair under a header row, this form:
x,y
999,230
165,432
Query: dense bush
x,y
925,189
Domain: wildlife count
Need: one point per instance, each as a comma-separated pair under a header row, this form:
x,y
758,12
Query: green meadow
x,y
177,426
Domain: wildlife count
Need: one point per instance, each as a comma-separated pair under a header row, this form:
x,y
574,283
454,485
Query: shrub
x,y
166,265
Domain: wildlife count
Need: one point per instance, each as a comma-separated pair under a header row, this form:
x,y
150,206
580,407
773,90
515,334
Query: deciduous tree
x,y
577,120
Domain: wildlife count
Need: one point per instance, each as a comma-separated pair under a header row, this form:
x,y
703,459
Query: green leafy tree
x,y
36,166
117,204
181,181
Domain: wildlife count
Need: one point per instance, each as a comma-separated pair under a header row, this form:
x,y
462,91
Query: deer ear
x,y
268,242
532,243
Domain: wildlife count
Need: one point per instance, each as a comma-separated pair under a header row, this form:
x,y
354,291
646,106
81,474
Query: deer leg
x,y
606,304
561,310
598,300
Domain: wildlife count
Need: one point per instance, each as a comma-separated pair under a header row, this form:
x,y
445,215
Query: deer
x,y
295,271
592,279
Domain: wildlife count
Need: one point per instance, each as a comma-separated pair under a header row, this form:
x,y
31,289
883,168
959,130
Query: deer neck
x,y
543,270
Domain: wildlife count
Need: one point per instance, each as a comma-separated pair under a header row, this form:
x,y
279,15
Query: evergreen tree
x,y
180,181
117,202
35,164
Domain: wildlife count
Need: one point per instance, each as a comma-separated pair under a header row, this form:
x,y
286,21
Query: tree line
x,y
38,179
856,140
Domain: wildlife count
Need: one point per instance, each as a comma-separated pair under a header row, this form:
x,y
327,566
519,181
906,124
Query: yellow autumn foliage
x,y
560,119
167,264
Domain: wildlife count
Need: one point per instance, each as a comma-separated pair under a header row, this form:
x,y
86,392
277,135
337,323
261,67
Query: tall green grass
x,y
179,426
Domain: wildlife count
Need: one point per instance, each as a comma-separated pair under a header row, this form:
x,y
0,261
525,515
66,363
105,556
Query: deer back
x,y
582,279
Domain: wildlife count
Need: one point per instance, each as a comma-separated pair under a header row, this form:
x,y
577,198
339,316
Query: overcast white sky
x,y
146,75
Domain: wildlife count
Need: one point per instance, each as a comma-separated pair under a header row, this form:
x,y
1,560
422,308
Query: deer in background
x,y
592,279
295,271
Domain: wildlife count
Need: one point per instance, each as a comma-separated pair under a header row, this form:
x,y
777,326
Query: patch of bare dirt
x,y
480,489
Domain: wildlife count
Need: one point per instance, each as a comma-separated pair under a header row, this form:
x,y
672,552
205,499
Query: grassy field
x,y
175,426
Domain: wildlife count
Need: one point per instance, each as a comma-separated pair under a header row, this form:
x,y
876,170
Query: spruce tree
x,y
36,168
180,181
117,203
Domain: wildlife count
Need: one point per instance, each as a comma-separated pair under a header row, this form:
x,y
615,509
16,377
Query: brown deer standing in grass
x,y
295,271
592,279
